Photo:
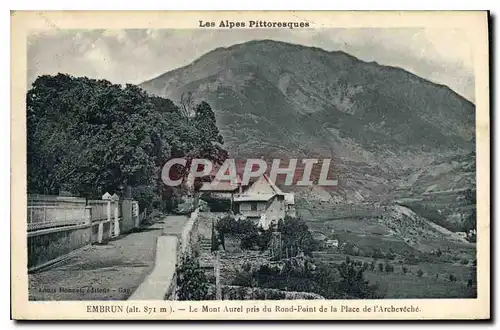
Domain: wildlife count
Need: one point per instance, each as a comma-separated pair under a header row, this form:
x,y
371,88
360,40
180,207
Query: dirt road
x,y
100,272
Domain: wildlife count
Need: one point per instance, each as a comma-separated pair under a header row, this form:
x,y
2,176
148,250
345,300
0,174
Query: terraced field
x,y
402,238
433,283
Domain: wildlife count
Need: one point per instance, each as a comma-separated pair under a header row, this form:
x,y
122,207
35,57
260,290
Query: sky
x,y
443,56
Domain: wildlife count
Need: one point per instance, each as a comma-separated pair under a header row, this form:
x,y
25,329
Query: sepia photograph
x,y
253,158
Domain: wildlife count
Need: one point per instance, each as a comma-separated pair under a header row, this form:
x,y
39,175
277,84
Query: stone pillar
x,y
117,220
100,232
88,222
108,211
136,214
128,221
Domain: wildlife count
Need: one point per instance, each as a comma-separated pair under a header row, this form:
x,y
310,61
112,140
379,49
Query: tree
x,y
187,105
353,283
296,236
192,283
470,222
91,136
210,140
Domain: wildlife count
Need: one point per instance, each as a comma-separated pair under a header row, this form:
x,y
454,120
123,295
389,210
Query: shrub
x,y
381,267
192,283
215,204
372,265
353,283
404,269
377,254
276,295
420,273
412,259
389,268
248,242
464,262
453,278
246,267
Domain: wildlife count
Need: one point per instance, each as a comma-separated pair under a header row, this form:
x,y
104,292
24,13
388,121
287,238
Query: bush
x,y
377,254
353,283
215,204
192,283
412,259
420,273
464,262
372,265
248,242
245,230
389,268
247,267
244,279
404,269
381,267
453,278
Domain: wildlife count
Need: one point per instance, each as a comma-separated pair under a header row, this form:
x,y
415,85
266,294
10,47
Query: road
x,y
104,272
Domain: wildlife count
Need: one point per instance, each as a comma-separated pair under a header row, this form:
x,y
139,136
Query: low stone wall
x,y
170,248
233,292
158,284
50,244
46,246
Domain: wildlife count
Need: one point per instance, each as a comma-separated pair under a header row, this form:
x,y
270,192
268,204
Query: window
x,y
253,206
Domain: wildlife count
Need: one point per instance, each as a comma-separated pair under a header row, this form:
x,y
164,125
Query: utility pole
x,y
215,250
218,291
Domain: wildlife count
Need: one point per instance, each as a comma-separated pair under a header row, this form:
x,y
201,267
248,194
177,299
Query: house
x,y
290,204
222,189
318,236
262,201
332,243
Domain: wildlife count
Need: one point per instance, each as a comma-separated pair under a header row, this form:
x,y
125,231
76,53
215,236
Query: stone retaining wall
x,y
170,248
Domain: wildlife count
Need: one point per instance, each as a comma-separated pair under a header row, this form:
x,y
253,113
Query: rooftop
x,y
252,197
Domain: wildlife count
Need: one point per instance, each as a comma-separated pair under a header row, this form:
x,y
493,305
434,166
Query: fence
x,y
59,225
54,211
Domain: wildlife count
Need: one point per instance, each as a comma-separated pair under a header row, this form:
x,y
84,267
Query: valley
x,y
402,149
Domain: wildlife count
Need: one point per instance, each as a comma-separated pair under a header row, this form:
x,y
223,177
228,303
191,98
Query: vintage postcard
x,y
250,165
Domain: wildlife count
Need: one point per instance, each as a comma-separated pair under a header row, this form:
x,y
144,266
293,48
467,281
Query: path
x,y
101,272
174,224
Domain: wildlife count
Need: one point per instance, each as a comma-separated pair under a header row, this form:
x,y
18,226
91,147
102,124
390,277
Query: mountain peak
x,y
273,97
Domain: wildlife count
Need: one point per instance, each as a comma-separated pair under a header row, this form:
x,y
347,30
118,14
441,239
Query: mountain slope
x,y
276,99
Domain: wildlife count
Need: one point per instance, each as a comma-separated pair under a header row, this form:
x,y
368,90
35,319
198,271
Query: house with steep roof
x,y
262,201
224,189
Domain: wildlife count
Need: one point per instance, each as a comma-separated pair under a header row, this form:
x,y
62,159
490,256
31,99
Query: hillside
x,y
378,123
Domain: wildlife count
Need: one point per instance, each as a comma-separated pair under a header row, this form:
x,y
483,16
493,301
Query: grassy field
x,y
410,286
403,234
434,282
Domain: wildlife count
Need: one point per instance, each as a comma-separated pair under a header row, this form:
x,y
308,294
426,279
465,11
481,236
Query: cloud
x,y
133,56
